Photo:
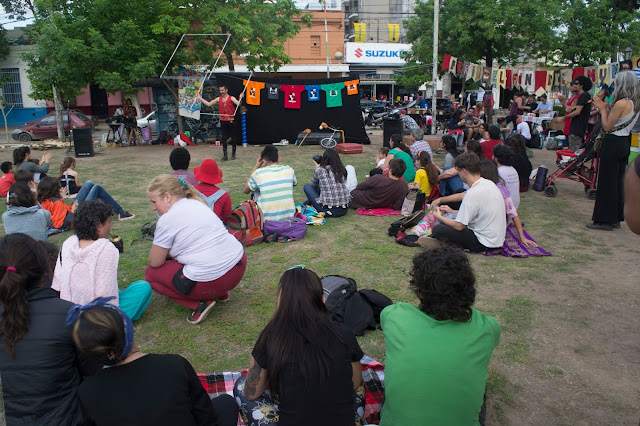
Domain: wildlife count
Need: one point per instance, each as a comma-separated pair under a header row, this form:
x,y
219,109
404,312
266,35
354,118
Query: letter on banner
x,y
394,32
494,76
502,78
549,84
453,65
470,71
590,72
459,67
361,32
527,83
445,62
615,66
603,74
515,78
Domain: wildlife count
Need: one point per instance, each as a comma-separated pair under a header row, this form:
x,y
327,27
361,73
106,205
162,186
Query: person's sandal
x,y
201,311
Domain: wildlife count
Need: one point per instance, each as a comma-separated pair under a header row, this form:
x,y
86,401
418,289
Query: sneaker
x,y
201,311
126,216
223,299
600,226
430,243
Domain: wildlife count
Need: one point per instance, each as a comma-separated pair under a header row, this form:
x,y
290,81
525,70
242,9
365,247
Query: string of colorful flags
x,y
529,80
292,93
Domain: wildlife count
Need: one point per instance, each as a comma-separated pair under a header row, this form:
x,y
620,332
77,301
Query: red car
x,y
45,127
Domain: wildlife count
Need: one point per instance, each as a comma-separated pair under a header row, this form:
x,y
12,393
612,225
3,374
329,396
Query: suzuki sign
x,y
375,53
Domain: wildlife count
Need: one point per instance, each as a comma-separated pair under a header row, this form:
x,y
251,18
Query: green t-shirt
x,y
435,371
333,94
409,174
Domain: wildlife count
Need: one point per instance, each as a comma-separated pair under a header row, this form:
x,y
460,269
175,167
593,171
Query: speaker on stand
x,y
390,126
83,142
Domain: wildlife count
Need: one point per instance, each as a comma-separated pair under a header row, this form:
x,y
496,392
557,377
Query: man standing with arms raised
x,y
228,106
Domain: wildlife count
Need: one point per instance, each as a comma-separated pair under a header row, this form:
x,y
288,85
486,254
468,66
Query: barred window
x,y
12,91
315,45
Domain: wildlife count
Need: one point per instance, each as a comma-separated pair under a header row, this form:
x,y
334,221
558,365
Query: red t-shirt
x,y
292,95
487,147
222,207
6,180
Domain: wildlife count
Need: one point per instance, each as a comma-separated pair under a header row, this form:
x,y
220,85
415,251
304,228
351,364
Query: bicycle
x,y
331,141
203,129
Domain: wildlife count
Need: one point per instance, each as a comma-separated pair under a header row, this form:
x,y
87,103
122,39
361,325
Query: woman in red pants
x,y
193,259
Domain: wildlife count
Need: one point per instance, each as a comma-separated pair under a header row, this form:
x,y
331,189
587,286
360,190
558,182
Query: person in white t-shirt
x,y
503,157
480,223
522,127
193,259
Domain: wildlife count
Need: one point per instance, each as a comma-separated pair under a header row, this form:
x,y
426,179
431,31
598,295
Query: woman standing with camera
x,y
87,266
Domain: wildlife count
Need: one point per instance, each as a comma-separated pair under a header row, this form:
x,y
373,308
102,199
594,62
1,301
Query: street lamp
x,y
626,53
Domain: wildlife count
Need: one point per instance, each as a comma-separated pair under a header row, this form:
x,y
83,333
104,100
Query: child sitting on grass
x,y
24,215
427,175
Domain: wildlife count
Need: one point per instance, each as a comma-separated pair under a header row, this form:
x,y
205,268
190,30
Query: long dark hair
x,y
19,154
23,264
450,145
99,332
397,143
48,188
332,159
66,163
300,330
429,167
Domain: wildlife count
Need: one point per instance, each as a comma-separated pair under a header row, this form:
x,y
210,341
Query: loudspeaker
x,y
83,142
391,126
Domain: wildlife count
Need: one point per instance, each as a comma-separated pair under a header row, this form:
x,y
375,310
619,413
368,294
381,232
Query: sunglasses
x,y
573,82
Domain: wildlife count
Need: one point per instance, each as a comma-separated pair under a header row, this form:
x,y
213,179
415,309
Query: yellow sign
x,y
394,32
361,32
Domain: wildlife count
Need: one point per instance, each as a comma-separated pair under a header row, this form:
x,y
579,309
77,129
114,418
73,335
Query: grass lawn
x,y
569,351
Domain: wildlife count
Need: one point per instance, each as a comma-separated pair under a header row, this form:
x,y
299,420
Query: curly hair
x,y
88,216
444,282
179,159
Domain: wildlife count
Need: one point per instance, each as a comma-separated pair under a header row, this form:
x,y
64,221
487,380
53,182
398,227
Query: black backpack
x,y
406,222
337,289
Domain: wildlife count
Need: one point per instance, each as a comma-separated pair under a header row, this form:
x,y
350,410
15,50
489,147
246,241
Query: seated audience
x,y
520,161
87,267
309,365
179,160
327,191
382,156
503,158
401,151
193,259
69,181
50,196
153,389
41,368
208,175
632,196
21,157
382,191
475,147
494,139
7,179
419,145
24,214
272,185
437,354
456,126
450,182
480,223
426,175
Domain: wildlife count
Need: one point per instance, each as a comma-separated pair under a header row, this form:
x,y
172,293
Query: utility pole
x,y
434,74
326,37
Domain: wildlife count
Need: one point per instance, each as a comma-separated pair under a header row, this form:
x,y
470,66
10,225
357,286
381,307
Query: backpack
x,y
211,199
245,223
406,222
284,231
337,289
148,230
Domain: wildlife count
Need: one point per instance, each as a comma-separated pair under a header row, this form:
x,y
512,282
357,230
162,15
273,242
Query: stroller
x,y
573,166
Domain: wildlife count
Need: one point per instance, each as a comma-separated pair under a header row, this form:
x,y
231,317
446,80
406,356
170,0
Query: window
x,y
315,45
12,91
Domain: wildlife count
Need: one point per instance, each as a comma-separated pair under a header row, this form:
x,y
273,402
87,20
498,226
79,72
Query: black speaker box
x,y
83,142
391,126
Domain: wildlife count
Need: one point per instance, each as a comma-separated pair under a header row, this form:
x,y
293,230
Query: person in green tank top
x,y
437,354
401,151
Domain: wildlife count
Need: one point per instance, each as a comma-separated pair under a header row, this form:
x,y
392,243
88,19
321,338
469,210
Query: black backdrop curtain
x,y
270,121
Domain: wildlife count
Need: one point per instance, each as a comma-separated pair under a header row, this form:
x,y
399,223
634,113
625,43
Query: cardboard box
x,y
556,125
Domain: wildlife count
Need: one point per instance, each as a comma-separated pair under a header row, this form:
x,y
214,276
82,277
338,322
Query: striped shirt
x,y
273,188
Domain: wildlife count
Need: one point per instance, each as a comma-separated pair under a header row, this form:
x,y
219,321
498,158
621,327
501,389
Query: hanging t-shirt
x,y
334,94
313,90
253,91
273,91
352,87
292,95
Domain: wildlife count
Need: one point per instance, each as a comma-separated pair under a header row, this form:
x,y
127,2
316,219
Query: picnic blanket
x,y
512,246
219,383
382,211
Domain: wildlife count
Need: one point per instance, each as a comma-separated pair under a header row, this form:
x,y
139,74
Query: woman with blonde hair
x,y
193,259
618,118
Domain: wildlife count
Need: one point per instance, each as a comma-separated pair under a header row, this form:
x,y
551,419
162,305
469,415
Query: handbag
x,y
597,146
414,201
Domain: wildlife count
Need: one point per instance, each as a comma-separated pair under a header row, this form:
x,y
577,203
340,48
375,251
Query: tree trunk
x,y
489,110
59,110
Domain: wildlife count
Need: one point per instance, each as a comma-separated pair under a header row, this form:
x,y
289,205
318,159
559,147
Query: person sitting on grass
x,y
419,144
21,157
480,223
426,175
87,267
7,178
69,181
437,354
151,389
401,151
327,191
41,367
179,160
494,139
24,214
380,191
309,365
193,259
50,196
450,182
272,185
208,175
520,161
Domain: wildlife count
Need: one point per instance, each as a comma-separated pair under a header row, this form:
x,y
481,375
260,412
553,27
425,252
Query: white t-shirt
x,y
198,240
523,129
483,212
512,182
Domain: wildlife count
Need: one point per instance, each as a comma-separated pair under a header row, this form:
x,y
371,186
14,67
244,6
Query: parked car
x,y
372,106
148,120
46,128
